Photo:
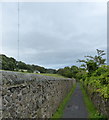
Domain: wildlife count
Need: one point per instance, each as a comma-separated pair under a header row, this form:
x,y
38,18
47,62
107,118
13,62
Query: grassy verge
x,y
58,114
53,75
92,111
45,74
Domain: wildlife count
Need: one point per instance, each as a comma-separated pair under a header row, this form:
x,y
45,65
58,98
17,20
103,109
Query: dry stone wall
x,y
31,95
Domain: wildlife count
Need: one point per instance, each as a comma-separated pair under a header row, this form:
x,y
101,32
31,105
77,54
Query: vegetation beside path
x,y
45,74
53,75
92,111
58,114
93,74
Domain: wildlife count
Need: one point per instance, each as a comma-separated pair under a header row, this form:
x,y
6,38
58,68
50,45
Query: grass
x,y
46,74
53,75
58,114
92,111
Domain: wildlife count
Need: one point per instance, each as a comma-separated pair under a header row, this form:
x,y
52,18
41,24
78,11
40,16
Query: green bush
x,y
98,81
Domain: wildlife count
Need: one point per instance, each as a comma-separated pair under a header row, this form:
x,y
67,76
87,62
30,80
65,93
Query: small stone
x,y
14,96
8,98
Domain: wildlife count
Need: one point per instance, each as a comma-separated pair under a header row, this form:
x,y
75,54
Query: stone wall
x,y
100,103
32,96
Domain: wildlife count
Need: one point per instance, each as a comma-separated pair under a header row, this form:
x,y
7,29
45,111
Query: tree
x,y
98,58
74,70
9,63
92,63
22,65
67,72
52,71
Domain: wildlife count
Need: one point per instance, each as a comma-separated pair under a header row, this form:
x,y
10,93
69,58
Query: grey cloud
x,y
54,34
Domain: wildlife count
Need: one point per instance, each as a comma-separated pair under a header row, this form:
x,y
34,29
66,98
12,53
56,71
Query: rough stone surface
x,y
31,95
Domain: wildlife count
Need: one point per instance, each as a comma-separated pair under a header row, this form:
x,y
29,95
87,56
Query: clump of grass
x,y
92,111
58,114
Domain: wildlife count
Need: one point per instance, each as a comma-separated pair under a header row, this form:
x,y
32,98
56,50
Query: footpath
x,y
76,108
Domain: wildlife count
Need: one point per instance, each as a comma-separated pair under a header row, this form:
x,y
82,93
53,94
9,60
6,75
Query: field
x,y
53,75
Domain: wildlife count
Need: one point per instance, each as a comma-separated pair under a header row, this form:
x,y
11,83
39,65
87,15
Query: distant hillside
x,y
9,63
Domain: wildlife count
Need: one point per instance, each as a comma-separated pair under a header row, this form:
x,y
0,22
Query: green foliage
x,y
92,63
65,72
96,79
81,75
68,72
99,81
9,63
72,72
21,65
93,112
53,75
97,75
91,66
51,71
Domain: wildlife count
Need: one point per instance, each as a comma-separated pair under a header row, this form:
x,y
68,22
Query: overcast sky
x,y
54,35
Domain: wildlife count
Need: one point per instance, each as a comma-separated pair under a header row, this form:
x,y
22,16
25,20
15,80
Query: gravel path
x,y
76,107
